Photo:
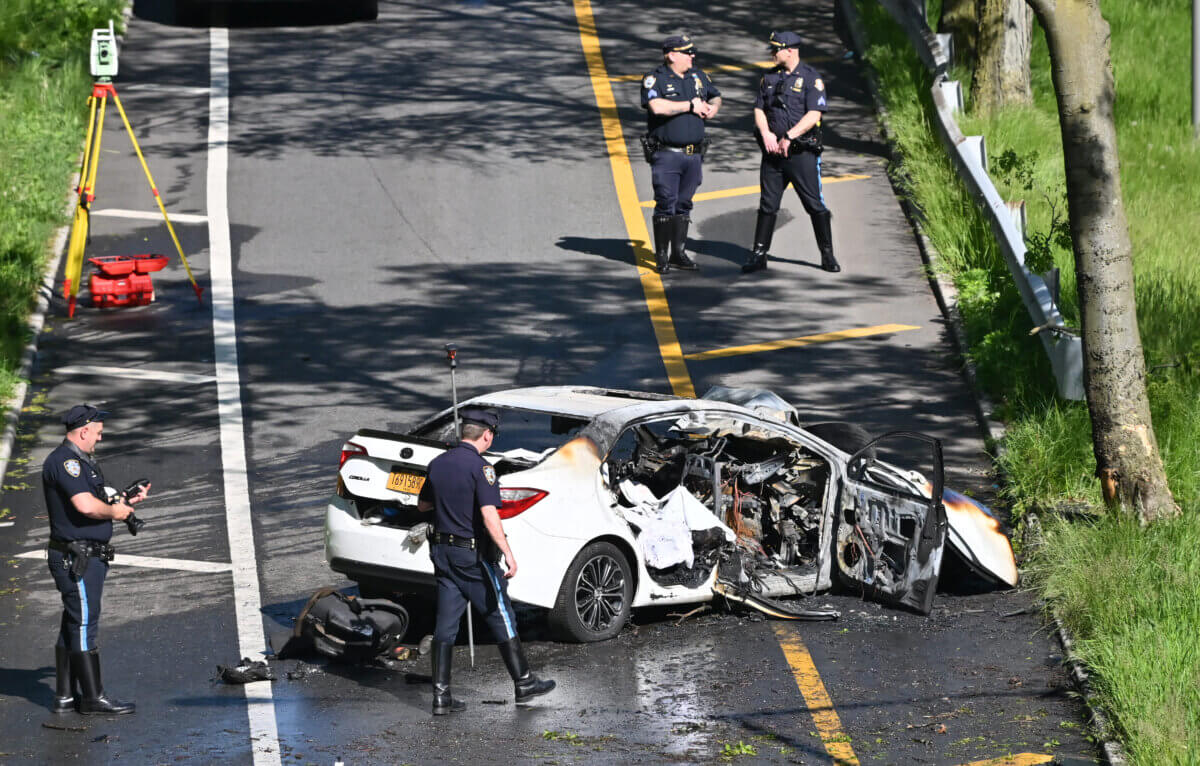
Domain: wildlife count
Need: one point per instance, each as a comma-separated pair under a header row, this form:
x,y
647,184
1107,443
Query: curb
x,y
994,431
12,407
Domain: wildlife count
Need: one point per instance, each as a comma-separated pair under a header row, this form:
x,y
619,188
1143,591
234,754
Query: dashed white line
x,y
150,215
187,90
150,562
133,373
264,736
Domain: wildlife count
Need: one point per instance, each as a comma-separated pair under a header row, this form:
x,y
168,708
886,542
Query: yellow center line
x,y
804,340
742,191
829,726
635,221
753,66
1020,759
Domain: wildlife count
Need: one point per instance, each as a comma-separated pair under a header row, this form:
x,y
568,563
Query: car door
x,y
889,535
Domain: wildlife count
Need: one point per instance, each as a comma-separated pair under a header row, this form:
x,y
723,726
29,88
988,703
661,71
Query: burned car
x,y
613,500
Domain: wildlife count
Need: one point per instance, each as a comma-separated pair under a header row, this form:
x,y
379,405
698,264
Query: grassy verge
x,y
1130,596
44,85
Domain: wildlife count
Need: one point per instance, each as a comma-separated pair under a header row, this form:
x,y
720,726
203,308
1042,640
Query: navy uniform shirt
x,y
785,97
676,129
68,472
459,483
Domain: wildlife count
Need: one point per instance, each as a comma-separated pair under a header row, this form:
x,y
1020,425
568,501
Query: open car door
x,y
888,533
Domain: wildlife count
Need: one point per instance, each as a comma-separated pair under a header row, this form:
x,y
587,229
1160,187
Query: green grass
x,y
44,86
1136,624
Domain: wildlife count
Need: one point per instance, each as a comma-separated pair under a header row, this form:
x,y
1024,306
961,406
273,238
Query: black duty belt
x,y
685,149
89,548
441,538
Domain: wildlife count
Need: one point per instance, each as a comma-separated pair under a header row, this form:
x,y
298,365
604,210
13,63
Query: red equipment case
x,y
124,280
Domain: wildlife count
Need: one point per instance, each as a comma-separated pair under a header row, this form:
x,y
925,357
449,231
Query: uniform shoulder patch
x,y
649,81
798,85
72,467
489,473
818,84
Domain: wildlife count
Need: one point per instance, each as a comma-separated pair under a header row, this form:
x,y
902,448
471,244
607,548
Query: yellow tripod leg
x,y
157,198
87,184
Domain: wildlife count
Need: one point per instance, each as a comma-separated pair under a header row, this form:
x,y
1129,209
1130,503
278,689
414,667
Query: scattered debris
x,y
64,726
698,610
247,672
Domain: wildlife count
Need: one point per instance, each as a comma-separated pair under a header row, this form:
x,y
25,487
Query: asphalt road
x,y
443,174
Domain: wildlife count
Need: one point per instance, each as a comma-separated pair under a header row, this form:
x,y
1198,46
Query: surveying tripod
x,y
101,90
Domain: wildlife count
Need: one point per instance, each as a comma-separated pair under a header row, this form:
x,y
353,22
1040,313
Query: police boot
x,y
764,229
527,684
823,229
86,667
662,243
65,683
443,702
679,255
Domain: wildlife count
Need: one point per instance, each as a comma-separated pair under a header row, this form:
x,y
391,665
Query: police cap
x,y
481,417
781,40
82,414
679,44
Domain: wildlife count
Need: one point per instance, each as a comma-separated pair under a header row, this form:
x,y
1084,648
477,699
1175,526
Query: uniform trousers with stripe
x,y
463,579
80,627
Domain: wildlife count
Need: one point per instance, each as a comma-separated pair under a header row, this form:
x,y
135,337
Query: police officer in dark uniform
x,y
787,122
678,98
80,527
462,491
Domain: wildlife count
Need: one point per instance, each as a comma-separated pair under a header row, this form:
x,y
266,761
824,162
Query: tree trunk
x,y
1114,375
1002,71
959,20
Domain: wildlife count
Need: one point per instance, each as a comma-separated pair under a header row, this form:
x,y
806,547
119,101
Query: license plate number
x,y
400,481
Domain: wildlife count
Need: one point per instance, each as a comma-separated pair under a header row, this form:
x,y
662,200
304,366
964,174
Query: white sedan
x,y
618,499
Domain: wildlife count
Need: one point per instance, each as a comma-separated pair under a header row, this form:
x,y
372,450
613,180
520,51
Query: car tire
x,y
596,595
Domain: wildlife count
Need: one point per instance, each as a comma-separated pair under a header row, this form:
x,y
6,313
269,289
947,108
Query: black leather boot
x,y
679,255
823,229
442,655
764,229
662,243
526,684
86,667
64,683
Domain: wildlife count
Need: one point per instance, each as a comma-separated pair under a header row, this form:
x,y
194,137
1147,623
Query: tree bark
x,y
1002,69
1127,458
959,20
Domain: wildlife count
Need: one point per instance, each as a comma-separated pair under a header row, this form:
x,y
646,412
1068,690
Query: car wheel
x,y
594,600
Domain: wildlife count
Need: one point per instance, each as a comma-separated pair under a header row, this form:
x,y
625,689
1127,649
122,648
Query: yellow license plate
x,y
399,481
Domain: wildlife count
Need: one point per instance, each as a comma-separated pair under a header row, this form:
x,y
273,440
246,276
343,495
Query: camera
x,y
104,53
132,522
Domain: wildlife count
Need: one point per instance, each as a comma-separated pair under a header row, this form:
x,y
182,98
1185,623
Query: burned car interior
x,y
767,489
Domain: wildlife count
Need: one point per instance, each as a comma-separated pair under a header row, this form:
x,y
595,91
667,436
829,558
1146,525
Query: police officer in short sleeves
x,y
787,121
678,98
463,492
80,527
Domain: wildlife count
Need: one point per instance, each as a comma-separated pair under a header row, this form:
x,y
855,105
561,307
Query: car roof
x,y
584,402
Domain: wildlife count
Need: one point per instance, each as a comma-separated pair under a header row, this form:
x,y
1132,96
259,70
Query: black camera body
x,y
132,522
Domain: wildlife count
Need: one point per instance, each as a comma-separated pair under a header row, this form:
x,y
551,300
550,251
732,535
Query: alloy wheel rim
x,y
600,593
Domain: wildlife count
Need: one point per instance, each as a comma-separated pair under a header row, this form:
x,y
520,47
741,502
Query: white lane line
x,y
186,90
150,562
150,215
247,601
134,373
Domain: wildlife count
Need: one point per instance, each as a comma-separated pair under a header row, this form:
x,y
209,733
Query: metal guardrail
x,y
968,154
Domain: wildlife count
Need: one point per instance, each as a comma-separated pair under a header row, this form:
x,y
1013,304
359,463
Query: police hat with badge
x,y
781,40
82,414
678,44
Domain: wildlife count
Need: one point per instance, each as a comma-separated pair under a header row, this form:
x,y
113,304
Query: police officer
x,y
80,527
462,491
787,122
678,98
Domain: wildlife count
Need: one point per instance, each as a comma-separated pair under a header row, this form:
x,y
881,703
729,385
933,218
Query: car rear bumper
x,y
374,553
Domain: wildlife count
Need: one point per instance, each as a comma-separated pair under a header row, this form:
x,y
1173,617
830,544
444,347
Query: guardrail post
x,y
952,92
946,40
975,149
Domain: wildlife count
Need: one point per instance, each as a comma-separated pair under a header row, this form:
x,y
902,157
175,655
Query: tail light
x,y
349,450
514,500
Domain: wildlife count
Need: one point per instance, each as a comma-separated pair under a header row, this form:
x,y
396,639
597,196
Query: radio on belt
x,y
124,280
